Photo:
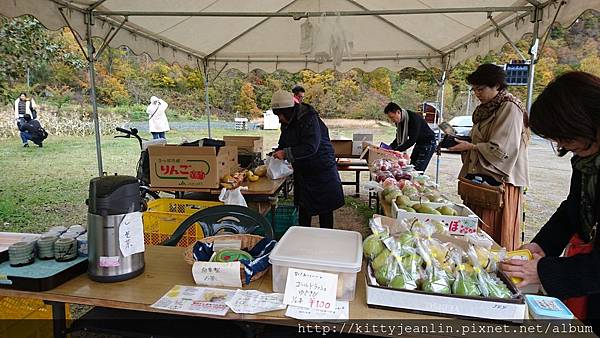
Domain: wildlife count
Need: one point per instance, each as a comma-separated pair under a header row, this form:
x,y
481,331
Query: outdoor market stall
x,y
273,32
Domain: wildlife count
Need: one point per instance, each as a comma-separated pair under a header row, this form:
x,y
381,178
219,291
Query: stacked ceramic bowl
x,y
65,249
21,253
46,247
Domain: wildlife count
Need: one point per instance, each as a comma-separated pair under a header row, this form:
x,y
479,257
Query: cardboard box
x,y
465,222
375,153
173,166
342,148
513,310
252,144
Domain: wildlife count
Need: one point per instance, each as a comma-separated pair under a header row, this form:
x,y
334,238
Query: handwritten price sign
x,y
462,227
310,289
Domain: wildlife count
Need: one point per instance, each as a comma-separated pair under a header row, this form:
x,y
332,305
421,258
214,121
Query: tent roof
x,y
264,34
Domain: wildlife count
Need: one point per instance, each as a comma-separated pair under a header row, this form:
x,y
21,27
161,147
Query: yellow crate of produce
x,y
164,215
26,317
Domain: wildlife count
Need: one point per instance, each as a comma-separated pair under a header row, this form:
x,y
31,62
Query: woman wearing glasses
x,y
568,113
497,153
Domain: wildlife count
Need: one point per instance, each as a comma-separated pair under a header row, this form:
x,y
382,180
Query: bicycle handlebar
x,y
132,132
123,130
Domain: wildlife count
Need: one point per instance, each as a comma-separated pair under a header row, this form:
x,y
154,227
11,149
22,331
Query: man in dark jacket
x,y
31,130
304,142
411,129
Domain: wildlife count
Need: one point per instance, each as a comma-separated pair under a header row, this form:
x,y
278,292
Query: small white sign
x,y
252,301
341,312
310,289
217,274
131,234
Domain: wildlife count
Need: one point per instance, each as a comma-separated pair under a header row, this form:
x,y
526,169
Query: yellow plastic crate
x,y
25,317
164,216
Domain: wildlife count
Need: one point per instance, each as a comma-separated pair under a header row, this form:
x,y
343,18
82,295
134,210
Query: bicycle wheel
x,y
224,218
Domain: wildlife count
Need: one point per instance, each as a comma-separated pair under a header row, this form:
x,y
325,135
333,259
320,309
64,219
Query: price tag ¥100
x,y
310,289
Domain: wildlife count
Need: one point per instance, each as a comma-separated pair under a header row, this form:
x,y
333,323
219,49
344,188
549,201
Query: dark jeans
x,y
421,155
325,220
157,136
26,136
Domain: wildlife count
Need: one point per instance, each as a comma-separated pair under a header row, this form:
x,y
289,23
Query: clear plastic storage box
x,y
327,250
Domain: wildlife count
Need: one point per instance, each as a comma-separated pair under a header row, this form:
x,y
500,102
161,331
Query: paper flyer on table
x,y
341,312
252,301
194,299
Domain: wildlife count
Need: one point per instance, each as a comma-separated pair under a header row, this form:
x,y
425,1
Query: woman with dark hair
x,y
497,153
304,142
568,113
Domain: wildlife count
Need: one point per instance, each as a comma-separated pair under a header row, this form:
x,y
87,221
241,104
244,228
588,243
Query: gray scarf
x,y
589,167
402,135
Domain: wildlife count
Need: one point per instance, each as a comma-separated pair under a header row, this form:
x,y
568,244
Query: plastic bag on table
x,y
233,197
404,279
277,168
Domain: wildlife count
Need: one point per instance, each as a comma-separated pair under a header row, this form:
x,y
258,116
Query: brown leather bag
x,y
481,195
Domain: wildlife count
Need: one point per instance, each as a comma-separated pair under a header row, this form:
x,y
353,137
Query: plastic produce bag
x,y
403,278
277,168
233,197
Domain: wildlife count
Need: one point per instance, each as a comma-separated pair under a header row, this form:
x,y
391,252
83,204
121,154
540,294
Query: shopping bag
x,y
277,168
233,197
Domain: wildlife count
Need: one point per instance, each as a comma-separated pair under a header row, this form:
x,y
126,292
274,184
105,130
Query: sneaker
x,y
40,144
26,145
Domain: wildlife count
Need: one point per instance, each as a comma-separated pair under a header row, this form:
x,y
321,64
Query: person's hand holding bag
x,y
277,168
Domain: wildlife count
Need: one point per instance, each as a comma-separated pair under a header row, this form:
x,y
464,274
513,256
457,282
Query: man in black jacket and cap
x,y
31,130
412,129
305,143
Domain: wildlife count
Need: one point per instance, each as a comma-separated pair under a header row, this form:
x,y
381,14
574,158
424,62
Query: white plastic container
x,y
327,250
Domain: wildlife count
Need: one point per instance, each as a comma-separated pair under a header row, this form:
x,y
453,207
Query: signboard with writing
x,y
131,234
310,289
217,274
174,166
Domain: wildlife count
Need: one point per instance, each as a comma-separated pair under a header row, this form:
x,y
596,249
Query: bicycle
x,y
142,168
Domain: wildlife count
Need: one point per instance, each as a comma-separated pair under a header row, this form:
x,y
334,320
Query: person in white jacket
x,y
24,106
157,118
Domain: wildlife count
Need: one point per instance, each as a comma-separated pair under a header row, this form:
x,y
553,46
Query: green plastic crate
x,y
285,217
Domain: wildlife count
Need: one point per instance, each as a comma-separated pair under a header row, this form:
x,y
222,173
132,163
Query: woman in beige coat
x,y
497,153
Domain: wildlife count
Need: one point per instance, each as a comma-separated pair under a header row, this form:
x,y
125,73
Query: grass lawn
x,y
44,187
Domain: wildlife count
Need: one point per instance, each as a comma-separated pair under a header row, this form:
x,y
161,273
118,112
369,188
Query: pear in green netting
x,y
398,282
381,259
372,246
381,275
403,200
447,210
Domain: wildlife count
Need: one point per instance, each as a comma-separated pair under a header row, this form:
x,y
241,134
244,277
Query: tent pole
x,y
92,72
206,103
533,51
439,137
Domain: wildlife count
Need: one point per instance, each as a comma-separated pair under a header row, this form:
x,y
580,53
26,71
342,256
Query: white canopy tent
x,y
269,34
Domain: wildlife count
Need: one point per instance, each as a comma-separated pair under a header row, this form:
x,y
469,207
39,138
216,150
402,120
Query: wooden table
x,y
165,268
264,190
354,165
